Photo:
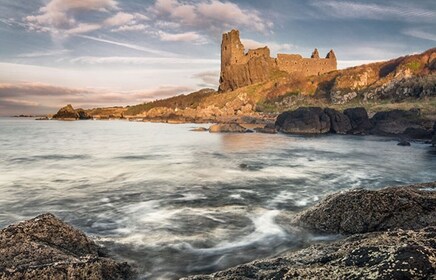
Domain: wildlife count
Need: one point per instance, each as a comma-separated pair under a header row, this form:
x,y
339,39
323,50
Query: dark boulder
x,y
361,210
403,143
399,122
67,113
304,120
359,120
339,122
47,248
395,254
417,133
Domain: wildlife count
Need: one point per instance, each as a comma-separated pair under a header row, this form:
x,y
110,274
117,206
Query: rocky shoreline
x,y
388,234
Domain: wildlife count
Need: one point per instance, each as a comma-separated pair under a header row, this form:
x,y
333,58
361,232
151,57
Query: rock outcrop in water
x,y
361,210
315,120
69,113
47,248
394,233
228,128
387,255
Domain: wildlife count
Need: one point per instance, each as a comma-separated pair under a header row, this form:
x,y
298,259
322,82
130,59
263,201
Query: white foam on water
x,y
236,196
265,230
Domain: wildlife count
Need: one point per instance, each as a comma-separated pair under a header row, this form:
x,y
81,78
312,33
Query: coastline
x,y
394,240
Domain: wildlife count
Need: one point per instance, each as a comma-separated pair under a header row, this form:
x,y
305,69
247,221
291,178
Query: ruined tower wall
x,y
292,63
239,69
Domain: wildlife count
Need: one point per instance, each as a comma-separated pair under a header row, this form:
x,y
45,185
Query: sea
x,y
174,202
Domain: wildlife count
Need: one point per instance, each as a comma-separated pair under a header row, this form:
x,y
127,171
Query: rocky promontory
x,y
68,113
47,248
393,233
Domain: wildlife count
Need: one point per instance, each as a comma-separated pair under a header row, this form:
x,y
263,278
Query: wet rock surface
x,y
399,254
304,120
47,248
394,233
362,210
359,119
340,123
228,128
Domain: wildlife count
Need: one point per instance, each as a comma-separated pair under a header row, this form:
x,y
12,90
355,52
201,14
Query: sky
x,y
94,53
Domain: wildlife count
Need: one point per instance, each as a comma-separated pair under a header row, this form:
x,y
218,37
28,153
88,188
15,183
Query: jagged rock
x,y
361,210
359,120
67,113
228,128
339,122
304,120
383,255
403,143
47,248
82,114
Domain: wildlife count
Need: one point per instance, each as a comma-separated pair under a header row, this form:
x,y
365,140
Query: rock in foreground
x,y
304,120
389,255
361,210
47,248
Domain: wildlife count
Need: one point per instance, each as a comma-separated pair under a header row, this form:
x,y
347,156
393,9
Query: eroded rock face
x,y
340,123
361,210
66,113
394,121
304,120
360,123
228,128
389,255
47,248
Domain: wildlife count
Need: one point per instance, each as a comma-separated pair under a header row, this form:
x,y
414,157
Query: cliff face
x,y
239,69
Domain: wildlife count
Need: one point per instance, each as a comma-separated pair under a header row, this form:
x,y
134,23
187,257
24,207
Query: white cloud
x,y
421,34
141,60
135,27
127,45
43,53
59,15
212,14
192,37
349,9
208,78
273,46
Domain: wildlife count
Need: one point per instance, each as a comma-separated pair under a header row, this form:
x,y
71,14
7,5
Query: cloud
x,y
209,14
60,15
353,10
421,34
273,46
208,78
135,27
28,97
43,53
193,37
122,18
127,45
141,60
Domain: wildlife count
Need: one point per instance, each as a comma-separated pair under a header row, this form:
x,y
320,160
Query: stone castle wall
x,y
240,69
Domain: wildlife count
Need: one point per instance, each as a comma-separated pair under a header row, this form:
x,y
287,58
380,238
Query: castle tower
x,y
331,55
315,54
232,50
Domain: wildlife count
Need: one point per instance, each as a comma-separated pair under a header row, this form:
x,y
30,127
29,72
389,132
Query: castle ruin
x,y
239,69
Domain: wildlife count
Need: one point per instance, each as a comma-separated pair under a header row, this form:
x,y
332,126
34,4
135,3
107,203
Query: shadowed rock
x,y
339,122
47,248
361,210
390,255
360,123
304,120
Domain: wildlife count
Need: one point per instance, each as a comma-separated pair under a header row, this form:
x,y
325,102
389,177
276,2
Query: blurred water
x,y
176,202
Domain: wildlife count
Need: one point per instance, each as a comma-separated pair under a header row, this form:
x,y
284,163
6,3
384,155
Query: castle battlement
x,y
240,69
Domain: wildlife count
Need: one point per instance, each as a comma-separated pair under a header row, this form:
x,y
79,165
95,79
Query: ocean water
x,y
175,202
